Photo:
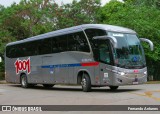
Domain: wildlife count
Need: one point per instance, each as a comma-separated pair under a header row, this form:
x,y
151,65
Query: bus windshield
x,y
129,52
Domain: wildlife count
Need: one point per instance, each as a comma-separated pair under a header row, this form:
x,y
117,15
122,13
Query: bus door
x,y
105,53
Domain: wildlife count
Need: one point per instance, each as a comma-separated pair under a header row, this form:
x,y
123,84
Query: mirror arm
x,y
111,38
148,41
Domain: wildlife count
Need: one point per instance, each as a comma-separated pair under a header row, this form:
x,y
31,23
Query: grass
x,y
3,82
2,76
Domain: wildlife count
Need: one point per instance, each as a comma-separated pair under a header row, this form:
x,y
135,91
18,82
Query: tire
x,y
48,85
24,81
113,88
86,83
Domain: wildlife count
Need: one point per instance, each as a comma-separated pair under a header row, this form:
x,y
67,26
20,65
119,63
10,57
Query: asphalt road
x,y
147,94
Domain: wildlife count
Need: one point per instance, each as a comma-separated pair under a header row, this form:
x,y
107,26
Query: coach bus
x,y
91,55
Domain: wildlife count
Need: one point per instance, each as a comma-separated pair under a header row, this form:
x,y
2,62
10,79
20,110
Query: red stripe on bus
x,y
90,64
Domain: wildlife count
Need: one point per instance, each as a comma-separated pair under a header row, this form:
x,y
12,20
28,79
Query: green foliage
x,y
77,13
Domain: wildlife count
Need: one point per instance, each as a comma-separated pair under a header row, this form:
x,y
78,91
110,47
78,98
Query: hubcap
x,y
23,81
84,83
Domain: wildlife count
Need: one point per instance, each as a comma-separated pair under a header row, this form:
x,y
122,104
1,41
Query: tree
x,y
77,13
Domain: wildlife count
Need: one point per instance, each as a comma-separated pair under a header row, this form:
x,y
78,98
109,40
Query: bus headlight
x,y
121,73
145,72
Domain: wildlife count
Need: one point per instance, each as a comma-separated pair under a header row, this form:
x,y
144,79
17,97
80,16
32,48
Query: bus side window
x,y
61,42
31,48
92,33
78,42
104,53
82,41
11,51
8,51
72,43
54,45
45,46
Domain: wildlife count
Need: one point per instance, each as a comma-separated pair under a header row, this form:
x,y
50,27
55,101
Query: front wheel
x,y
86,83
24,82
113,88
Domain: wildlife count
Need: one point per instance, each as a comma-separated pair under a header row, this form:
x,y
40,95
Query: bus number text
x,y
23,65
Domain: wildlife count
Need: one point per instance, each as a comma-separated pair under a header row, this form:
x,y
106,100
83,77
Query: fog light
x,y
121,73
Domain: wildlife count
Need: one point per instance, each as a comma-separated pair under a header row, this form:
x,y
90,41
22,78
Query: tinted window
x,y
70,42
78,42
31,48
94,32
45,46
61,43
22,50
10,51
104,51
55,48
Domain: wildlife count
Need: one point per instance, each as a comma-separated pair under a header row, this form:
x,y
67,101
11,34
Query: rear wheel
x,y
24,82
113,88
48,85
86,83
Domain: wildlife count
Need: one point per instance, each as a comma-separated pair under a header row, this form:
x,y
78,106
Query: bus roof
x,y
74,29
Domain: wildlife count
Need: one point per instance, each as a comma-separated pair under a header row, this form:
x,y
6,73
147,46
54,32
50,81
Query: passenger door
x,y
105,59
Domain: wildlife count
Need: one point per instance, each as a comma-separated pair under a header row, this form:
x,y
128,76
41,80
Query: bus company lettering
x,y
23,65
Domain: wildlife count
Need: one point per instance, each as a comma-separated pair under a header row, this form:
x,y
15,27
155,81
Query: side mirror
x,y
148,41
111,38
0,59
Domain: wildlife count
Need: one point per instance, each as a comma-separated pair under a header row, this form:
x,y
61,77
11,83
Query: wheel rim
x,y
23,81
84,82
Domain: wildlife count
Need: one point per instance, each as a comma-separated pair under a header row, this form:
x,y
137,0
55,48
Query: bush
x,y
2,75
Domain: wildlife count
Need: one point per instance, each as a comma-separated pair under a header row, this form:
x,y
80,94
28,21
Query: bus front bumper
x,y
131,79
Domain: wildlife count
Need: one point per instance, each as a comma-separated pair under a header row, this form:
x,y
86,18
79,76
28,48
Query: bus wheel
x,y
113,88
24,82
48,85
86,83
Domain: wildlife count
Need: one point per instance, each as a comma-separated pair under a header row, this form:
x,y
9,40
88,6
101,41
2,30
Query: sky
x,y
9,2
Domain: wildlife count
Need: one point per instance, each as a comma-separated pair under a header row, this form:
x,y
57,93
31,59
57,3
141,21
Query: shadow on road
x,y
78,88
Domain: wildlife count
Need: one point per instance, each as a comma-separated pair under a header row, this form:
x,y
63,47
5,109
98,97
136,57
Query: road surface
x,y
13,94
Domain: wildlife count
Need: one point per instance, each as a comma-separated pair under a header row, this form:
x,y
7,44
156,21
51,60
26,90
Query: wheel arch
x,y
21,76
80,74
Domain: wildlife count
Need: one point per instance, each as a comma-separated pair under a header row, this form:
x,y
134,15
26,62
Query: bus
x,y
90,55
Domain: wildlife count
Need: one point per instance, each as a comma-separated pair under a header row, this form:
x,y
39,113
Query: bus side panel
x,y
35,76
56,68
106,74
85,60
10,70
47,74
